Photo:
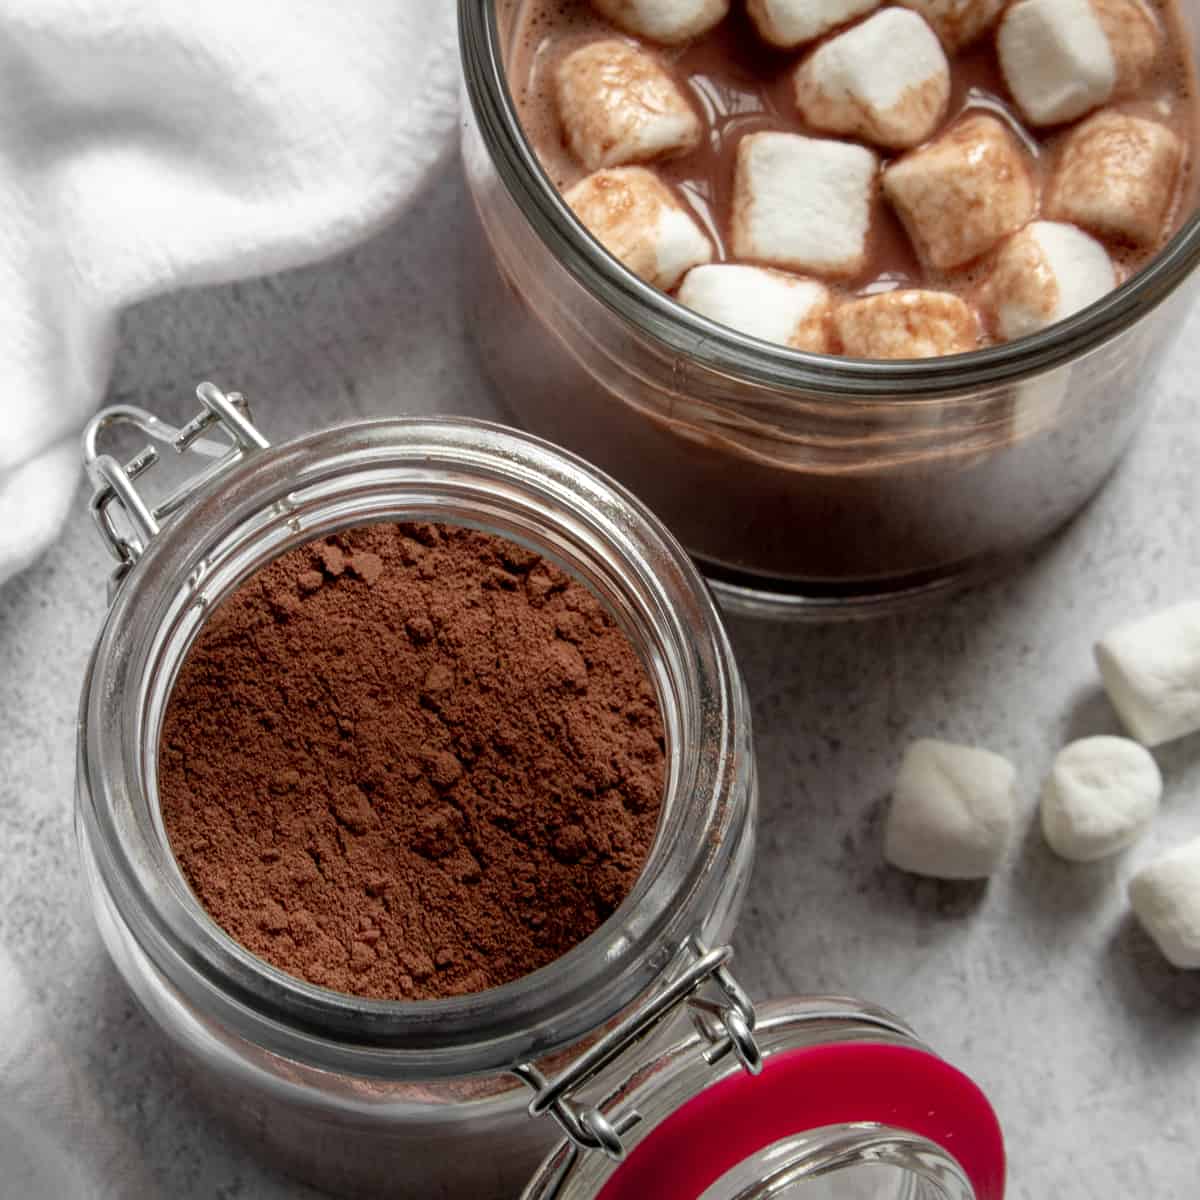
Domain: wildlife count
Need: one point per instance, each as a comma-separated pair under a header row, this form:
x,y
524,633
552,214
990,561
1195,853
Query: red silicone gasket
x,y
806,1089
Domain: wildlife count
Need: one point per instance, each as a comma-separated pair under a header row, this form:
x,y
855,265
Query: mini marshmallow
x,y
906,324
958,23
1166,899
788,23
637,219
1062,58
886,80
1101,796
667,21
1044,274
617,106
1116,176
1151,672
952,813
959,195
803,203
771,305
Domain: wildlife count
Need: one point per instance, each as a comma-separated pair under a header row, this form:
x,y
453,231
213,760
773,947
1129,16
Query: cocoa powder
x,y
411,761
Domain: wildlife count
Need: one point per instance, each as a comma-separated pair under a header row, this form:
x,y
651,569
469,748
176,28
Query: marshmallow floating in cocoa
x,y
952,812
958,23
906,323
1166,899
1116,177
788,23
886,80
1100,796
1063,58
1151,671
803,203
638,220
618,106
767,304
1043,274
666,21
963,192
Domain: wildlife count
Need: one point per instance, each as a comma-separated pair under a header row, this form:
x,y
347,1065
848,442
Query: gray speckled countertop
x,y
1038,984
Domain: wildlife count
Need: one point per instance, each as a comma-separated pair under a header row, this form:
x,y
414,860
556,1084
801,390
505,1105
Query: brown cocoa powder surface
x,y
411,761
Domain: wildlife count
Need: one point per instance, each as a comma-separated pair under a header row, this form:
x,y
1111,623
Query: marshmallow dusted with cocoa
x,y
766,304
1063,58
618,106
638,220
803,203
952,813
1044,274
788,23
958,23
885,80
907,323
668,22
963,192
1117,176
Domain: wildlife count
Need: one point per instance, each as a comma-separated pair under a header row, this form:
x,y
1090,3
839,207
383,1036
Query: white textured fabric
x,y
151,145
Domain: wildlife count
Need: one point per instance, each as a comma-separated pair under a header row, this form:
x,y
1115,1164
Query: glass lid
x,y
847,1106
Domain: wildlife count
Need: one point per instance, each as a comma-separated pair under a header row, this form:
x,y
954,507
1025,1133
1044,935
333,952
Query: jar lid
x,y
846,1097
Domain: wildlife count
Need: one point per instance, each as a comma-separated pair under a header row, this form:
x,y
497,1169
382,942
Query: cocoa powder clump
x,y
411,761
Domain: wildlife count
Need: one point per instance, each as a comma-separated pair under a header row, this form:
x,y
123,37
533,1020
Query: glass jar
x,y
805,485
430,1098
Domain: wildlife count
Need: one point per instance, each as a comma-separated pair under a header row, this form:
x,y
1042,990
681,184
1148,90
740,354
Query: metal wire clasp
x,y
114,483
724,1018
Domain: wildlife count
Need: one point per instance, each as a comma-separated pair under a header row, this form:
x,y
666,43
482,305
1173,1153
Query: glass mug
x,y
635,1042
804,485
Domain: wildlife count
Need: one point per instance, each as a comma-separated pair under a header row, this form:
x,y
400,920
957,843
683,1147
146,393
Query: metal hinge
x,y
721,1012
114,483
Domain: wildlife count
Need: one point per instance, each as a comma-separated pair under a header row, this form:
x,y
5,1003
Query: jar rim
x,y
681,331
196,558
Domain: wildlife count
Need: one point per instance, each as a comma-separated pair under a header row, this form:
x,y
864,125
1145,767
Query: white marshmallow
x,y
617,106
952,811
637,219
1062,58
1117,177
886,80
803,203
958,22
667,21
1166,899
907,323
765,304
962,193
1044,274
1151,671
1101,796
788,23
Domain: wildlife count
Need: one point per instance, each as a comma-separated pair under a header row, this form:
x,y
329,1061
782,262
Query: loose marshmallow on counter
x,y
637,219
906,324
958,22
1062,58
952,812
959,195
667,21
1166,899
886,80
803,203
618,106
1116,176
1043,274
766,304
1101,796
1151,672
788,23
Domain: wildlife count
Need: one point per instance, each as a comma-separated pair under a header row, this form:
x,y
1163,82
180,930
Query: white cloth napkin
x,y
150,145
